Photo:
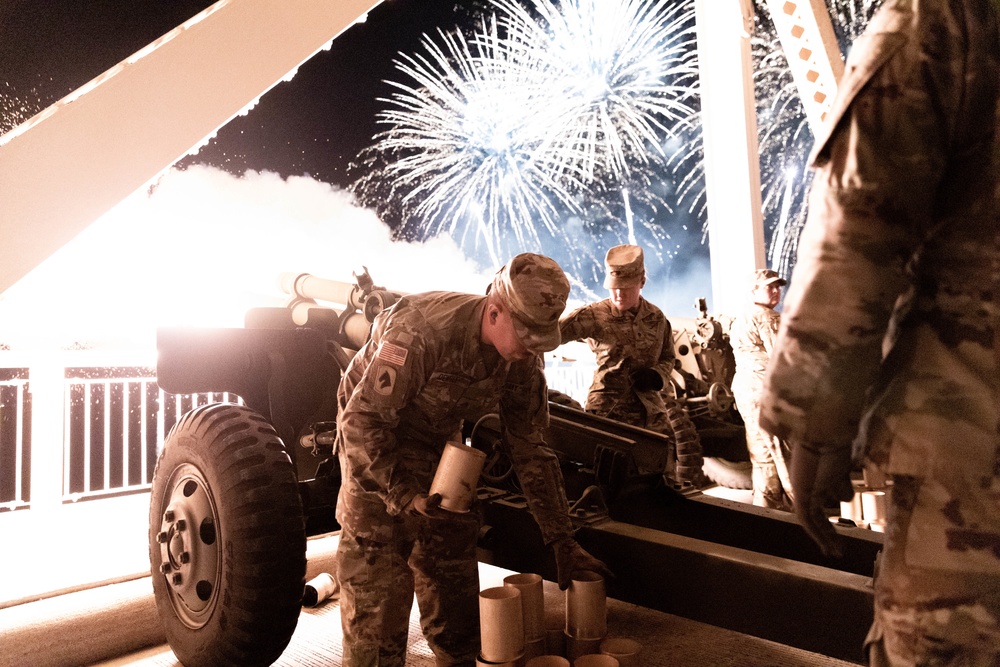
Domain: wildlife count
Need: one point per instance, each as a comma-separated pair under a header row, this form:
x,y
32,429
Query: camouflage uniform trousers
x,y
928,614
772,486
383,560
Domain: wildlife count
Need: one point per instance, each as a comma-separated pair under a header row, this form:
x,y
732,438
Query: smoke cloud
x,y
201,248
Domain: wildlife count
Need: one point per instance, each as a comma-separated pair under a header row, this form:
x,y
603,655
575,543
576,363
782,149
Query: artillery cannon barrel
x,y
300,309
308,286
356,330
362,302
354,325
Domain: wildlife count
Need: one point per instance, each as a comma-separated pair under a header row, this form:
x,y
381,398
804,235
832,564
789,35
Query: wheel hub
x,y
190,558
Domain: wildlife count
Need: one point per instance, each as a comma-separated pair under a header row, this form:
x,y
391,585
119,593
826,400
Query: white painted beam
x,y
74,161
812,52
729,134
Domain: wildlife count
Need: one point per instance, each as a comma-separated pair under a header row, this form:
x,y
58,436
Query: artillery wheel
x,y
227,542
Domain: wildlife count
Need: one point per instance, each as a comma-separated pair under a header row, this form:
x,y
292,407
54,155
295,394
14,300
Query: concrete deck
x,y
116,625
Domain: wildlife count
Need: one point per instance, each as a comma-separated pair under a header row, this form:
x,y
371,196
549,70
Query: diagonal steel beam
x,y
71,163
812,52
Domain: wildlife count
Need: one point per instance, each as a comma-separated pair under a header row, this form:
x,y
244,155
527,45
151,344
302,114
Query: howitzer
x,y
233,497
239,486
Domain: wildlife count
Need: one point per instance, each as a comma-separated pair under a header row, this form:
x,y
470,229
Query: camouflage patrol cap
x,y
624,267
535,289
763,277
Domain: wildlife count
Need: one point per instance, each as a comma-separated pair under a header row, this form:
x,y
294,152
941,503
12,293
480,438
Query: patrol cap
x,y
763,277
624,267
535,289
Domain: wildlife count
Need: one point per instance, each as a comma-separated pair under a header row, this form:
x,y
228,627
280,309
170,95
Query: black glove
x,y
646,379
820,478
572,559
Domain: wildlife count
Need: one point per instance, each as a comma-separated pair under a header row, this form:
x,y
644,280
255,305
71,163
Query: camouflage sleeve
x,y
578,325
753,341
395,369
665,364
871,204
767,330
524,413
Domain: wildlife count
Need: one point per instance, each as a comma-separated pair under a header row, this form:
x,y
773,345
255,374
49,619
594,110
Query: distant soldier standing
x,y
634,347
889,331
433,360
752,336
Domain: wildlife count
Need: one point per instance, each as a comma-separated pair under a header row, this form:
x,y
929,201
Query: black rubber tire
x,y
730,474
227,541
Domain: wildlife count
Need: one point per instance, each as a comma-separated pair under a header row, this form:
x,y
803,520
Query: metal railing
x,y
571,378
110,421
15,438
115,422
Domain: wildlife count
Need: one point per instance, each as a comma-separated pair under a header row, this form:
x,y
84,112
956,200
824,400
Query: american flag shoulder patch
x,y
393,354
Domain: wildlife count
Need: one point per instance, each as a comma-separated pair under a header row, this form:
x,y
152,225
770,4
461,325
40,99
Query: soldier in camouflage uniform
x,y
433,360
752,336
889,330
634,347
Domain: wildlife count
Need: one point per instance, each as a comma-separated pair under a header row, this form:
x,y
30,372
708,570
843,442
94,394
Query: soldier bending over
x,y
433,360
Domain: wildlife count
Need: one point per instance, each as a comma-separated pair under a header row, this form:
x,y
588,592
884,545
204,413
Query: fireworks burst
x,y
471,150
14,111
783,134
510,132
624,73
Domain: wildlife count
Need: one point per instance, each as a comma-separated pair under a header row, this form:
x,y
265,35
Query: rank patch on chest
x,y
391,353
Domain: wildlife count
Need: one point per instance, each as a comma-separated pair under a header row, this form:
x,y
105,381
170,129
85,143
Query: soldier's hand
x,y
820,479
646,379
426,505
572,560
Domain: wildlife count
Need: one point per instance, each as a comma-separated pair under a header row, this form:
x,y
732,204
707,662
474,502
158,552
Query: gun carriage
x,y
239,487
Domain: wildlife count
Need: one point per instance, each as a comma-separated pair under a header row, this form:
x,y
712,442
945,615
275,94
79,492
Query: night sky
x,y
315,124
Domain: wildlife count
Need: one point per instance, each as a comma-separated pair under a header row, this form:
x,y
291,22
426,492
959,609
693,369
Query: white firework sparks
x,y
623,73
784,136
13,110
472,142
506,131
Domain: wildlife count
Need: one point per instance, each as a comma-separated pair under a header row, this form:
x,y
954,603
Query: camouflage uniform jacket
x,y
623,343
889,329
408,389
752,337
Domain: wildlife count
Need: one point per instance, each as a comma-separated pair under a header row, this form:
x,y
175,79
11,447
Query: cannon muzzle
x,y
356,304
306,286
